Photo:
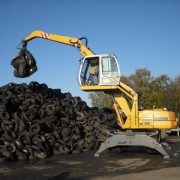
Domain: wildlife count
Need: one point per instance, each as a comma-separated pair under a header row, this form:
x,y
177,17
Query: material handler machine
x,y
137,127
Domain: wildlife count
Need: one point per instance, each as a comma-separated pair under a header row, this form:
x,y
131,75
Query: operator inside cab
x,y
94,72
99,70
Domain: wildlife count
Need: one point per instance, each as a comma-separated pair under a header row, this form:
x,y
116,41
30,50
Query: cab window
x,y
109,67
90,71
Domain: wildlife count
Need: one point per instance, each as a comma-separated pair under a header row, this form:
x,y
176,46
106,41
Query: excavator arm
x,y
84,50
25,64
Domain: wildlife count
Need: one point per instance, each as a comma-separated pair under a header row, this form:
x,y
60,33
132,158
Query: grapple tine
x,y
24,63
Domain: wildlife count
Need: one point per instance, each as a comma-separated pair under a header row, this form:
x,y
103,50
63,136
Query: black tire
x,y
76,101
80,142
50,140
66,131
24,138
40,155
9,150
64,149
76,137
3,107
28,116
103,117
7,125
56,135
79,116
64,109
29,149
89,128
82,122
44,147
50,109
69,145
16,73
89,138
10,135
65,119
37,139
90,121
34,129
22,126
4,115
17,116
76,130
10,147
18,144
22,70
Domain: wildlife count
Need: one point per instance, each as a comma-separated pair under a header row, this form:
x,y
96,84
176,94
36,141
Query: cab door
x,y
99,70
110,72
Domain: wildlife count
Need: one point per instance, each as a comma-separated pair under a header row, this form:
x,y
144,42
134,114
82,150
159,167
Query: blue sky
x,y
142,34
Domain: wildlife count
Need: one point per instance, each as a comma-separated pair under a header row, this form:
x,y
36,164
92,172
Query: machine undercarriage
x,y
150,140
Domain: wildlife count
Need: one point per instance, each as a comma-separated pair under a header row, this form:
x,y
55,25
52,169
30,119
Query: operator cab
x,y
99,70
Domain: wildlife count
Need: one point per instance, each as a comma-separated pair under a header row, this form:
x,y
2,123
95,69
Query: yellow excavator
x,y
137,127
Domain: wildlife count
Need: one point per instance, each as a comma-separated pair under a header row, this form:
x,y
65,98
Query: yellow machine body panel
x,y
157,119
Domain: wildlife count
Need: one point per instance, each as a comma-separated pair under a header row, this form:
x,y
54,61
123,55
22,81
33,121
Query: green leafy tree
x,y
140,81
172,96
100,99
157,90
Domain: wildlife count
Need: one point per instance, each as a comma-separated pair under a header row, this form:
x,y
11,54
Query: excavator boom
x,y
84,50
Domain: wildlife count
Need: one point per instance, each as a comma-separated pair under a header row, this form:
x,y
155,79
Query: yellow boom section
x,y
84,50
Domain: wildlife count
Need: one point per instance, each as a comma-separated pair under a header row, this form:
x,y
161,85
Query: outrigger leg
x,y
133,139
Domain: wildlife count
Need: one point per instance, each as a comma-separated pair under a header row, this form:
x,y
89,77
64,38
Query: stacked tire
x,y
37,122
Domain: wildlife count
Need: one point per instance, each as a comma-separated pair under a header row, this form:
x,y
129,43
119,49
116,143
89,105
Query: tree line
x,y
161,91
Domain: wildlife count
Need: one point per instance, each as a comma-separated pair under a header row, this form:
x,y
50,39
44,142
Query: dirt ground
x,y
133,164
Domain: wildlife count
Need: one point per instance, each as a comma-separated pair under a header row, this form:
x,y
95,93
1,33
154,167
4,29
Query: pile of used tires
x,y
37,122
